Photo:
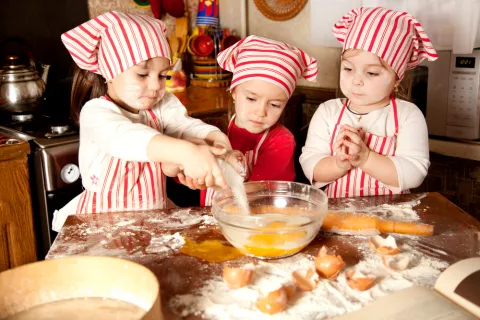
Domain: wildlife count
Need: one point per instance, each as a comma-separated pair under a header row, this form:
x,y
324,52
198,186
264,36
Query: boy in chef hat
x,y
371,143
265,73
131,130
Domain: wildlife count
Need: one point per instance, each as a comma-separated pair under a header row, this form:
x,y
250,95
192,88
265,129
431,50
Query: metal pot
x,y
21,87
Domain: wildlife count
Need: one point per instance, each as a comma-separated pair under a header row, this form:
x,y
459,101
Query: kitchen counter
x,y
456,148
150,238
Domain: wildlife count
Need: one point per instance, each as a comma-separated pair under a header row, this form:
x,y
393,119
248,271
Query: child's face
x,y
364,80
141,86
258,105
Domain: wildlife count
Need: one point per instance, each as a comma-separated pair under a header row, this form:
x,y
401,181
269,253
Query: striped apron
x,y
250,155
126,185
356,182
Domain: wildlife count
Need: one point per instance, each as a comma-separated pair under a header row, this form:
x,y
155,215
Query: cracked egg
x,y
328,264
359,281
384,246
397,262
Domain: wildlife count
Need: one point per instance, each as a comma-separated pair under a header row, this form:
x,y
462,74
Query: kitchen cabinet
x,y
17,237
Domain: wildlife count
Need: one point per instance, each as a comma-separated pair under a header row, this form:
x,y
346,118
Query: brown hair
x,y
86,86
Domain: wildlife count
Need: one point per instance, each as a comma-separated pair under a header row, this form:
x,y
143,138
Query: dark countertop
x,y
141,237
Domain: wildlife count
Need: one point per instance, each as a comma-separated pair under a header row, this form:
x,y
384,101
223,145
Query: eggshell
x,y
359,281
384,246
290,288
396,263
237,277
273,302
328,264
305,279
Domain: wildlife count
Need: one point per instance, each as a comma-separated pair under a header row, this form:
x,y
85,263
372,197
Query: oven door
x,y
56,181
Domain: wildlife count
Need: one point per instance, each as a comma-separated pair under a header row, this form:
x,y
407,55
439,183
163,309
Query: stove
x,y
53,165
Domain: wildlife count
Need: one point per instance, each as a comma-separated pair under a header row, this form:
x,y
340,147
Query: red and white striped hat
x,y
260,58
115,41
396,37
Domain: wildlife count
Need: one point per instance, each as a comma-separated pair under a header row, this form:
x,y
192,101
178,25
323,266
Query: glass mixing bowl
x,y
285,217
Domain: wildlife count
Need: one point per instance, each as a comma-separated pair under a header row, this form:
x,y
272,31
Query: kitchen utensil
x,y
80,281
203,45
280,10
208,68
346,221
286,217
175,8
156,6
181,31
174,45
228,39
21,87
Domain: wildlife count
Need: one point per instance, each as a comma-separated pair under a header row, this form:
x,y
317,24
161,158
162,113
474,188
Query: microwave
x,y
448,93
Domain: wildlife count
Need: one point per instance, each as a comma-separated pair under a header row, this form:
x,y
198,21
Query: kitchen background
x,y
40,23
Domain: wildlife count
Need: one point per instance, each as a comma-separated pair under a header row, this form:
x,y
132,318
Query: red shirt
x,y
275,155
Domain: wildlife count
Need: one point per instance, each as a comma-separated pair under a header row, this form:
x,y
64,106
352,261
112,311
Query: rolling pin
x,y
346,221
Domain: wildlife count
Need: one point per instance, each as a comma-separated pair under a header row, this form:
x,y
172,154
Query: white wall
x,y
295,31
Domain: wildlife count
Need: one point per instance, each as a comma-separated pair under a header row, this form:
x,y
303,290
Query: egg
x,y
305,279
396,263
328,264
237,277
273,302
359,281
290,288
384,246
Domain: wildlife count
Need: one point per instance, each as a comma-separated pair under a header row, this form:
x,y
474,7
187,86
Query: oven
x,y
53,167
55,180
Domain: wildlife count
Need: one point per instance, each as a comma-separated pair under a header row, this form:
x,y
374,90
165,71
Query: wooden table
x,y
456,233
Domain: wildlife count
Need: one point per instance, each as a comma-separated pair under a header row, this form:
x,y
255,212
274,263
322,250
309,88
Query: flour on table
x,y
399,212
331,298
180,219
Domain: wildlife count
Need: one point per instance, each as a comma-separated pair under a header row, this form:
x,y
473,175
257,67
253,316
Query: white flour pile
x,y
331,298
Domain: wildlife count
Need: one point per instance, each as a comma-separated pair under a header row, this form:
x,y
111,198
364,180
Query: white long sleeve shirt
x,y
412,153
107,130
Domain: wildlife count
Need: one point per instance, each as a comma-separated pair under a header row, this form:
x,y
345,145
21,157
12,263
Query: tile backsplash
x,y
455,178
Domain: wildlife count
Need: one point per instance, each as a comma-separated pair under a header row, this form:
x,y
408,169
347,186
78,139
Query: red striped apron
x,y
250,155
126,185
356,182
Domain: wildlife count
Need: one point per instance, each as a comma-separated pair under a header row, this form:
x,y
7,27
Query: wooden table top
x,y
456,234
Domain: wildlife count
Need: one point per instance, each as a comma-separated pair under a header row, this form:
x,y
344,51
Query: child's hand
x,y
170,169
202,167
357,149
191,183
341,156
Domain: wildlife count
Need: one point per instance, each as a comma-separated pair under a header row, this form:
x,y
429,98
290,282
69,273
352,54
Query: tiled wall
x,y
455,178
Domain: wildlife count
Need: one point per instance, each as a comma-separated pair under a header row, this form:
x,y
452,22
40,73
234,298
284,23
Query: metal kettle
x,y
21,86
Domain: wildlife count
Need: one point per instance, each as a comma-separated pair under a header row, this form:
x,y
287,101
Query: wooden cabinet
x,y
17,238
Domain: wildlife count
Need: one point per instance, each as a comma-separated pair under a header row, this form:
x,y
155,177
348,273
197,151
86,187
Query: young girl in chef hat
x,y
371,143
131,130
265,73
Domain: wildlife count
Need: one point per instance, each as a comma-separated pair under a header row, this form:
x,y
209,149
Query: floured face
x,y
142,86
258,105
365,80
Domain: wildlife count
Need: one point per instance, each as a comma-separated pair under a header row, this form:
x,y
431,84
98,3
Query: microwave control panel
x,y
463,96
